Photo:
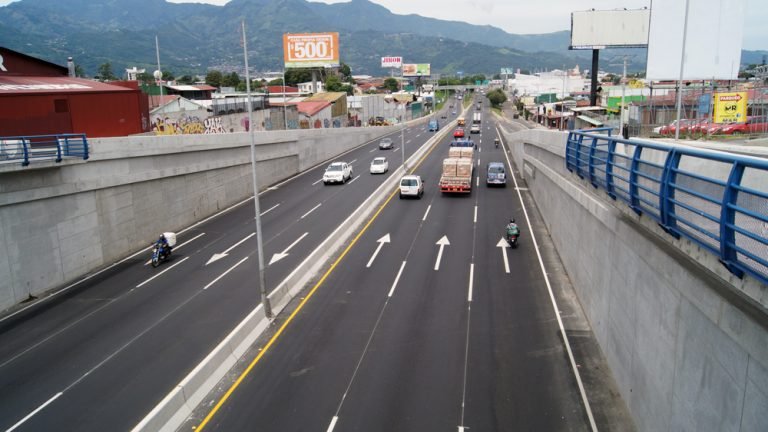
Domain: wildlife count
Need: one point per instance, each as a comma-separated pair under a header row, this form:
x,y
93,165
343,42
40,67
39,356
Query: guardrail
x,y
44,147
717,200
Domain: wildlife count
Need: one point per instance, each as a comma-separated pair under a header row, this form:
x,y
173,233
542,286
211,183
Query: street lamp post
x,y
260,246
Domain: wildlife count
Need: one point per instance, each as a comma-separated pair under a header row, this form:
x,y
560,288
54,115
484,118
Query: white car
x,y
337,172
379,165
411,185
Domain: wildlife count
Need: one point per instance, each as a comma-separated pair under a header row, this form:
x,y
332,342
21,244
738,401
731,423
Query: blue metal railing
x,y
48,147
717,200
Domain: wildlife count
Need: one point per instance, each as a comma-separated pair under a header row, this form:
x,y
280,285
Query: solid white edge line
x,y
397,278
40,408
225,273
471,281
583,392
333,423
426,213
157,275
313,209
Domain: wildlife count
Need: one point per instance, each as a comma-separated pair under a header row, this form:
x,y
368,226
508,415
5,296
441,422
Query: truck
x,y
476,117
458,168
461,121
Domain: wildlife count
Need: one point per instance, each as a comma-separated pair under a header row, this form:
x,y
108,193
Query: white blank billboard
x,y
609,29
713,43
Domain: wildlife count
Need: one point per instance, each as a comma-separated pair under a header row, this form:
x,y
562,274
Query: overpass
x,y
685,338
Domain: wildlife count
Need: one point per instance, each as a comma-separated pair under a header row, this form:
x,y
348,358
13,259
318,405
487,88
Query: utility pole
x,y
624,131
682,68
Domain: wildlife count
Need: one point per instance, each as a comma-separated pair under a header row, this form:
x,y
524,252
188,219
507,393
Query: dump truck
x,y
457,170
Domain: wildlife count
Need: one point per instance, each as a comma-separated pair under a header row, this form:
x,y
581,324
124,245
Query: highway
x,y
101,354
427,323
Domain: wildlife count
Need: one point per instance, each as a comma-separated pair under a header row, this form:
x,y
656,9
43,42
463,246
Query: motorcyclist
x,y
512,228
496,142
162,244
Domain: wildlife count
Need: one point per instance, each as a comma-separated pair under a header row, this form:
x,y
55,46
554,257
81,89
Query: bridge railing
x,y
717,200
43,147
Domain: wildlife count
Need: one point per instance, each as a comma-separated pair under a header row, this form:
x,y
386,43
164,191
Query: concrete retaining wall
x,y
60,222
686,341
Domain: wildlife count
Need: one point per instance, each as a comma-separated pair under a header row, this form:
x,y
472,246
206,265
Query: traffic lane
x,y
297,385
417,358
516,343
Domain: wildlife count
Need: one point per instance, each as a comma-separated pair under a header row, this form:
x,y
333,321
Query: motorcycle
x,y
496,142
160,253
512,234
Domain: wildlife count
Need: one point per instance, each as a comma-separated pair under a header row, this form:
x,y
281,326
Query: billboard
x,y
308,50
416,70
713,40
730,107
391,62
610,29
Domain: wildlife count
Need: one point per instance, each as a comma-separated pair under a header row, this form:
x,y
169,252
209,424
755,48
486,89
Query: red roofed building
x,y
279,90
314,114
39,98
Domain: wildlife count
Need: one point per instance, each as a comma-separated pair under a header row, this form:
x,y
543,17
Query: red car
x,y
458,133
753,125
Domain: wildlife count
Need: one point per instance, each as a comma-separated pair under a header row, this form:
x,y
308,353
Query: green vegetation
x,y
391,85
496,97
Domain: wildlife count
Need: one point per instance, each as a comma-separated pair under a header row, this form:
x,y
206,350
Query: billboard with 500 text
x,y
308,50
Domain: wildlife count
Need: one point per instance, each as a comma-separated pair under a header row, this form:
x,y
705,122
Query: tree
x,y
497,97
346,72
391,84
79,71
213,78
296,76
230,80
186,79
333,84
146,78
276,82
105,72
168,76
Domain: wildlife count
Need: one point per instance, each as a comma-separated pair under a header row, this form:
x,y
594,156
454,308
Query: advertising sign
x,y
610,28
730,107
416,70
307,50
391,62
705,101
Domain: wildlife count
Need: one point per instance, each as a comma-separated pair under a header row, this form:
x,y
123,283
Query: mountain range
x,y
196,37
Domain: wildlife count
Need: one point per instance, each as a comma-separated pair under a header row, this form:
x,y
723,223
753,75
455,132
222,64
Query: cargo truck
x,y
476,117
457,170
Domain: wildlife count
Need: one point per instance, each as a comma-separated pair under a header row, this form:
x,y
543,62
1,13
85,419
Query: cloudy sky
x,y
536,16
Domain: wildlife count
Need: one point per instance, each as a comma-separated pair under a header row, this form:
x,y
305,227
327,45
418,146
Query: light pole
x,y
260,247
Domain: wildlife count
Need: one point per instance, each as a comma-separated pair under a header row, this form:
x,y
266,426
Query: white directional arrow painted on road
x,y
218,256
278,256
503,245
381,242
442,243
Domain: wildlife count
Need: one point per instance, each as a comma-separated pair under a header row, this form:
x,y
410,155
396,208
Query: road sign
x,y
730,107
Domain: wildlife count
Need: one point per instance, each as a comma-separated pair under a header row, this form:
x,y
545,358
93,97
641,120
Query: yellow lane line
x,y
279,332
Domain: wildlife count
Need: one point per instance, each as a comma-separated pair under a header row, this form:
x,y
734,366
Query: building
x,y
339,110
42,98
306,87
193,92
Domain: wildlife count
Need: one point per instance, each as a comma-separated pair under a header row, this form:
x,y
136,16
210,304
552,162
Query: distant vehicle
x,y
337,172
453,112
477,118
754,124
444,115
434,126
411,185
385,144
379,165
496,174
474,129
458,133
457,170
464,142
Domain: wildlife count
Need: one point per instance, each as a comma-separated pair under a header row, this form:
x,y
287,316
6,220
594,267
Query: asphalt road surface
x,y
437,328
101,354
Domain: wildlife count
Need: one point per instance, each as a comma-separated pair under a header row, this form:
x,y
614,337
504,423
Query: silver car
x,y
385,144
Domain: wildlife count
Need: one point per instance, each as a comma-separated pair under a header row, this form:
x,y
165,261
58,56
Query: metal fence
x,y
43,147
717,200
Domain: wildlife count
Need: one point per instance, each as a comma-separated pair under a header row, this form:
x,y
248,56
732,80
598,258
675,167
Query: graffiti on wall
x,y
187,125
